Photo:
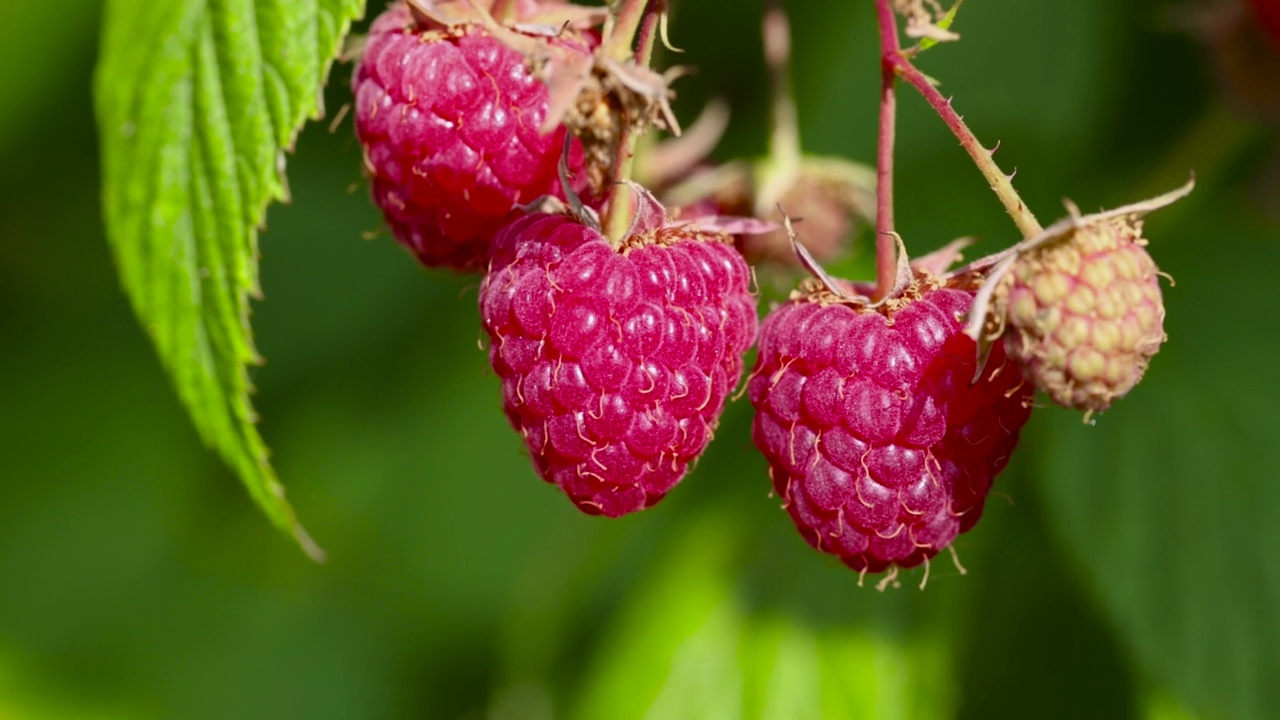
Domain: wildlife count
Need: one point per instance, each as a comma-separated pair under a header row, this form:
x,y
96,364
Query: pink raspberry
x,y
881,448
615,361
449,118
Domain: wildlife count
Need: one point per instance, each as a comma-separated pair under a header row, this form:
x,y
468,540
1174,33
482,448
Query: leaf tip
x,y
309,546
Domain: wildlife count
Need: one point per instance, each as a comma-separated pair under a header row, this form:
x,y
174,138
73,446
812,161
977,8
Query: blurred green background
x,y
1128,569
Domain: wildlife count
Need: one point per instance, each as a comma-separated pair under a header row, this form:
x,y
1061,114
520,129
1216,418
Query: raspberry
x,y
881,448
449,118
1085,313
615,362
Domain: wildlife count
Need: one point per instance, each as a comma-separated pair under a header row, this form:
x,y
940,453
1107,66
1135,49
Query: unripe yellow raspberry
x,y
1084,313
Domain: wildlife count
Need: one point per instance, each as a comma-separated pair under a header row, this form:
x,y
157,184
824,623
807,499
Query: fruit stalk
x,y
784,141
618,213
648,33
982,157
622,31
886,266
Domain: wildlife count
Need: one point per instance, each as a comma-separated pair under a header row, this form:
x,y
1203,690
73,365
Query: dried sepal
x,y
940,261
726,186
572,204
727,224
910,279
904,276
601,101
649,216
665,163
925,20
540,18
837,288
578,209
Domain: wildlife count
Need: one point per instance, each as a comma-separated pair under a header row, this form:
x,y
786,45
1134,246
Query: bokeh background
x,y
1125,569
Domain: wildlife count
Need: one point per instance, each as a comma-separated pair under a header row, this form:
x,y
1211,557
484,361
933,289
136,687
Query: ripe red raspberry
x,y
1085,314
879,444
449,118
615,362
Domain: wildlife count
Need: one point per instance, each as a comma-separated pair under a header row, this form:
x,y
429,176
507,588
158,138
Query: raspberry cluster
x,y
619,330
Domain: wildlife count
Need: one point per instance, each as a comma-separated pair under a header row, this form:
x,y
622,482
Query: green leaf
x,y
197,102
1170,503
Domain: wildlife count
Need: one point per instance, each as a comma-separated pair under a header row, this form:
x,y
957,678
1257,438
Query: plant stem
x,y
647,36
886,248
622,31
618,213
1002,184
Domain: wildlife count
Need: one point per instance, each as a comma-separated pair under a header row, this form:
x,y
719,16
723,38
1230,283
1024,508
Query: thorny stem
x,y
647,36
886,247
982,157
618,214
